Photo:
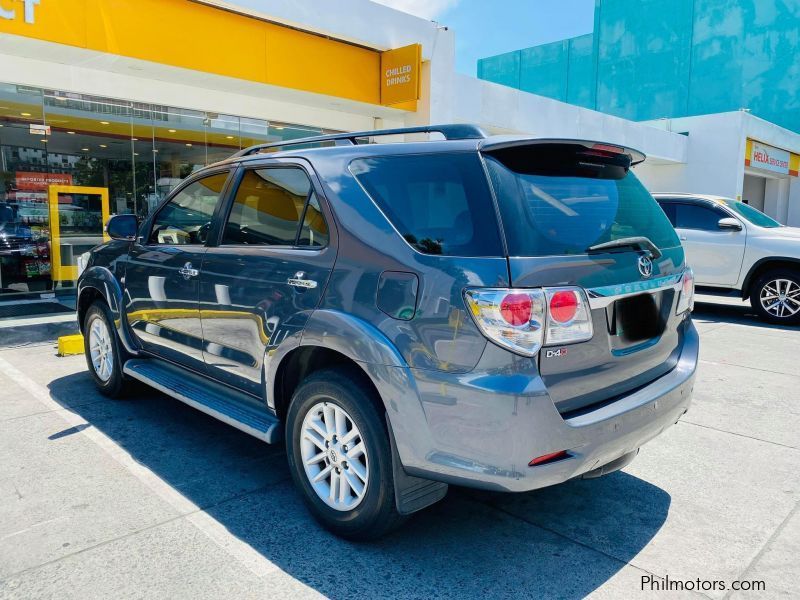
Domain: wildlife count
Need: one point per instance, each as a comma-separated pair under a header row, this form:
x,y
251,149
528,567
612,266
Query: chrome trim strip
x,y
600,297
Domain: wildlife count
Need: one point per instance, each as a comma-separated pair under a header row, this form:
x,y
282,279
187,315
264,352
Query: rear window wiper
x,y
640,242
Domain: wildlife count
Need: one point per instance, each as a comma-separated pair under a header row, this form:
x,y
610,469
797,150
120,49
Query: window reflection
x,y
268,207
315,230
186,219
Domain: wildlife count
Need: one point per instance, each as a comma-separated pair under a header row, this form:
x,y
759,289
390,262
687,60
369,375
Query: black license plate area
x,y
637,318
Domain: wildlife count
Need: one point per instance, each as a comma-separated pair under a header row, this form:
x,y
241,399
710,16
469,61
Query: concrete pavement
x,y
147,498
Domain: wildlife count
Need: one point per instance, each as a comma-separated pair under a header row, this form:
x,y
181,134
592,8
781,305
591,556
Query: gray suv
x,y
504,313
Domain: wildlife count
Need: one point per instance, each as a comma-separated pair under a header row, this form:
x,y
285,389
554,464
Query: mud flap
x,y
412,493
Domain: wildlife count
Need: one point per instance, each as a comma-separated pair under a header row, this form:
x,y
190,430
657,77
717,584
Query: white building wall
x,y
793,206
715,157
502,109
776,199
754,191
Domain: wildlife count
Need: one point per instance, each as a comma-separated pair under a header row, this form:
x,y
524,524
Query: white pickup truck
x,y
735,248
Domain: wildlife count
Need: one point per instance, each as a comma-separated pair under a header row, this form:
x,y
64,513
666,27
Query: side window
x,y
693,216
186,218
269,206
315,230
669,210
440,203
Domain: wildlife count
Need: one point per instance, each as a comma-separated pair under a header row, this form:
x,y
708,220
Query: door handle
x,y
682,238
187,271
299,281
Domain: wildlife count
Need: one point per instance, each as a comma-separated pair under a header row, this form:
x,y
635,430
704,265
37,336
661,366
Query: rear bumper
x,y
482,428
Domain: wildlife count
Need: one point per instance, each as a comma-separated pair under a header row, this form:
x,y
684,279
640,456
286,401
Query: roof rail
x,y
450,132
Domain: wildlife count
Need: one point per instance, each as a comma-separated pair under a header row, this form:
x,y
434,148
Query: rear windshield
x,y
558,199
440,203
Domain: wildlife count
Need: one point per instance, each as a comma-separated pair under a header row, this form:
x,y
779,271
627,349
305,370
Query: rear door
x,y
714,254
261,281
557,201
162,276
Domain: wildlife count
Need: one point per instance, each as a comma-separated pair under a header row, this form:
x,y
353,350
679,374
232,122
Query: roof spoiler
x,y
500,143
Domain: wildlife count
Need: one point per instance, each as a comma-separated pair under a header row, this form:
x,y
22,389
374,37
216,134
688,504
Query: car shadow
x,y
740,314
562,542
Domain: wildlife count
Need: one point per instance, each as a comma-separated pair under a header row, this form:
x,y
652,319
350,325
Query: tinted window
x,y
755,216
669,210
555,201
694,216
268,206
315,230
440,203
186,218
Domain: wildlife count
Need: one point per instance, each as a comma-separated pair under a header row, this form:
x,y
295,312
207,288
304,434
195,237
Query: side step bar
x,y
223,403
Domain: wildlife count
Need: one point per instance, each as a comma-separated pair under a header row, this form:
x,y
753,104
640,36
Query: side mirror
x,y
729,224
122,227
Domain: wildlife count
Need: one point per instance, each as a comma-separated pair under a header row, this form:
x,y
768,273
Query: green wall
x,y
649,59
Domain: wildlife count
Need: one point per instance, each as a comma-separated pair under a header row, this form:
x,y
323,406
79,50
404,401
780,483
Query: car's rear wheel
x,y
339,454
776,297
104,356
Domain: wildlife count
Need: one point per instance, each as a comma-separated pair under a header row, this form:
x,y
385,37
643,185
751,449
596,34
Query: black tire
x,y
769,279
376,514
114,385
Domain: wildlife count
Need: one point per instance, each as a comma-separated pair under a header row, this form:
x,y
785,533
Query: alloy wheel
x,y
334,456
101,349
780,298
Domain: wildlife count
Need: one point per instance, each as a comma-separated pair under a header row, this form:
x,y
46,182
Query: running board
x,y
219,401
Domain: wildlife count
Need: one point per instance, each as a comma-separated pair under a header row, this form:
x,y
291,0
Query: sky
x,y
488,27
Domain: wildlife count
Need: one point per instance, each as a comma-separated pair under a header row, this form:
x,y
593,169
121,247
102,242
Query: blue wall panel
x,y
643,57
503,69
746,54
581,72
544,70
669,58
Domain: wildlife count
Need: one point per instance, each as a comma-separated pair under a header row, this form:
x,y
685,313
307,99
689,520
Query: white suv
x,y
735,248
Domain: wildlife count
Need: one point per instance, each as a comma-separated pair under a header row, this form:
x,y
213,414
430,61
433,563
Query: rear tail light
x,y
686,295
513,319
608,148
516,309
563,305
569,316
524,320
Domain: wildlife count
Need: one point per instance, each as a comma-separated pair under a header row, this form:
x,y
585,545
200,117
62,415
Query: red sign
x,y
39,182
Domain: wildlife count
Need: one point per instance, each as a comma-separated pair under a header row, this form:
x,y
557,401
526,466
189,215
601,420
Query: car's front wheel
x,y
339,454
104,355
776,297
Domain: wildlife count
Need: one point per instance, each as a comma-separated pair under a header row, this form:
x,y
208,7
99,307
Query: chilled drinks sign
x,y
400,75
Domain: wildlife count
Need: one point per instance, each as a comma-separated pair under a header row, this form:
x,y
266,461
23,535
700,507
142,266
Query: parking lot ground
x,y
147,498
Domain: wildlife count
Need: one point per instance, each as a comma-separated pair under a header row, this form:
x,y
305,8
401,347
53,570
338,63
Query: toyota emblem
x,y
645,266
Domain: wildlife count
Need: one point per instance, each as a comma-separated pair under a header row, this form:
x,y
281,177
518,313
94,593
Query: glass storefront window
x,y
136,151
25,173
254,131
223,136
178,146
90,144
